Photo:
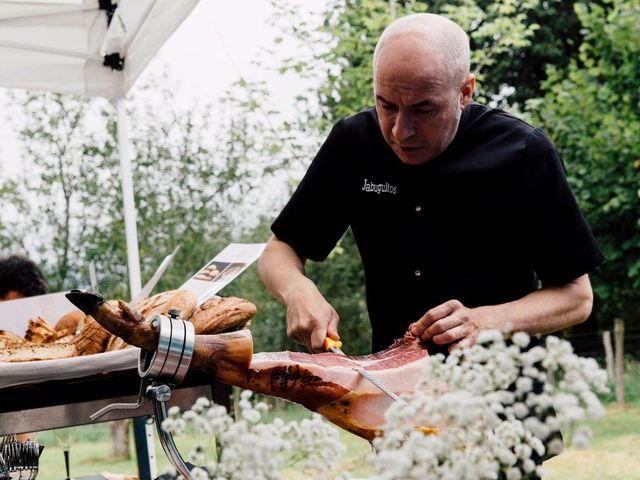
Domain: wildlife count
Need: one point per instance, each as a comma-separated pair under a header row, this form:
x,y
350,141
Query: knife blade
x,y
335,346
146,290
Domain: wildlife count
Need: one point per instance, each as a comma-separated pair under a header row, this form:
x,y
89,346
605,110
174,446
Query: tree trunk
x,y
120,439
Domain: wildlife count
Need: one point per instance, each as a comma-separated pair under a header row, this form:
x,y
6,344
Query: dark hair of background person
x,y
21,275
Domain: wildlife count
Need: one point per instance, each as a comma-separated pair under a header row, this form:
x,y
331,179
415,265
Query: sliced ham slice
x,y
326,383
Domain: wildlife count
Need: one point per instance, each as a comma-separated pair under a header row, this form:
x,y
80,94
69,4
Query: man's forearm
x,y
543,311
280,268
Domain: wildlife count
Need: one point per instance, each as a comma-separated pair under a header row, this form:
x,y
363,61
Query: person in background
x,y
20,277
471,203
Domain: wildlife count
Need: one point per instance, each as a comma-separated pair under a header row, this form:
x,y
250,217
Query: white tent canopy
x,y
61,46
88,47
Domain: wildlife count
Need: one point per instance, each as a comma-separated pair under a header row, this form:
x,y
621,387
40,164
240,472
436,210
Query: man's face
x,y
418,107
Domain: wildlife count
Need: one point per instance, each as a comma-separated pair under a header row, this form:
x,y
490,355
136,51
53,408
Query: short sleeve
x,y
316,216
561,244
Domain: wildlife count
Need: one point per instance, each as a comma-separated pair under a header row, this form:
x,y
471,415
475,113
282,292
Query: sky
x,y
210,50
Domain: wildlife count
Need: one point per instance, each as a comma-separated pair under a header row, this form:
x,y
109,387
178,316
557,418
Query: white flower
x,y
581,437
513,474
489,336
521,339
555,446
524,385
199,474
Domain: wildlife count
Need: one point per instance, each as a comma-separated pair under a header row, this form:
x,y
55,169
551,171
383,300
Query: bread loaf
x,y
160,304
220,315
28,353
70,322
116,343
9,339
92,338
39,331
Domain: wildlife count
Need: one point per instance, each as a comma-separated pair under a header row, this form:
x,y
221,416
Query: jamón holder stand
x,y
165,367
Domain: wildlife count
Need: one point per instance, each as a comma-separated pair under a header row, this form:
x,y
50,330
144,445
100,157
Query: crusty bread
x,y
39,331
92,338
28,353
70,322
9,339
116,343
220,315
161,303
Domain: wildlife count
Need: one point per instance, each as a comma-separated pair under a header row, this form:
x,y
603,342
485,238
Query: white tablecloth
x,y
20,373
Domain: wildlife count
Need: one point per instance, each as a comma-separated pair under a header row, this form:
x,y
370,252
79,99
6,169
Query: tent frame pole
x,y
131,232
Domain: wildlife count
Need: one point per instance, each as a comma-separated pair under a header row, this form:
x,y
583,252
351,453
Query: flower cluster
x,y
497,408
493,411
249,448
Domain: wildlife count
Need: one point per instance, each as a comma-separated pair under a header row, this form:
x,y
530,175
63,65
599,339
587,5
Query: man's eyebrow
x,y
421,103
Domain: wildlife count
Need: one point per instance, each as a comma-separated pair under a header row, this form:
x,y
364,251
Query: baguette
x,y
220,315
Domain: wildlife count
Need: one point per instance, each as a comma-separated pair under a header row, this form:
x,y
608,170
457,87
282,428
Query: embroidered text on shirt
x,y
379,187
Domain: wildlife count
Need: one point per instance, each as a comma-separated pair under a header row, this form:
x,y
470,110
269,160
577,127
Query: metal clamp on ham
x,y
171,360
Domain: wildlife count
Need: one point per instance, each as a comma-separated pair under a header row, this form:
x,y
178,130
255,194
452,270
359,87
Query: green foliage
x,y
62,201
197,173
592,111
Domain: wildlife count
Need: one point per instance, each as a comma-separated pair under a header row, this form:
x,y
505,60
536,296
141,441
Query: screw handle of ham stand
x,y
159,395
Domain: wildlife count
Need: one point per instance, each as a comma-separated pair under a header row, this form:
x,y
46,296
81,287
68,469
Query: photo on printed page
x,y
231,271
211,272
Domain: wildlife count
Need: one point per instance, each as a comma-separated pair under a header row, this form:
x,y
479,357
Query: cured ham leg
x,y
325,383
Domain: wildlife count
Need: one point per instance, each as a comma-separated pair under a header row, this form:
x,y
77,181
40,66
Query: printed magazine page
x,y
222,269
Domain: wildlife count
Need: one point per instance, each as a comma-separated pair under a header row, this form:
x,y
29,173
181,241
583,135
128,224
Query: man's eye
x,y
388,108
424,111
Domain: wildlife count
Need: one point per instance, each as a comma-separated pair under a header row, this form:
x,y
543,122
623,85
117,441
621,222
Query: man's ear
x,y
467,89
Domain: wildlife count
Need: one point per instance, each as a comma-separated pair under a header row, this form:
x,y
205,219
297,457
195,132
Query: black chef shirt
x,y
481,223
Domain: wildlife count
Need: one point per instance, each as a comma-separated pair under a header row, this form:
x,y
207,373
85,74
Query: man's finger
x,y
464,343
332,328
317,339
433,315
441,326
452,335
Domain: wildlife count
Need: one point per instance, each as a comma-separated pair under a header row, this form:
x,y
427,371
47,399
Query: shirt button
x,y
417,273
418,208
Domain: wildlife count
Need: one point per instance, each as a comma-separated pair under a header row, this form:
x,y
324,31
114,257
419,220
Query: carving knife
x,y
331,345
146,290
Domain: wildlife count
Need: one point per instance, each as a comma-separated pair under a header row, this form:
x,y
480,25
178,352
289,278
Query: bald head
x,y
432,34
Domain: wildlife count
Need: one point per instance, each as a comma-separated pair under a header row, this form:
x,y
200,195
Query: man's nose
x,y
404,127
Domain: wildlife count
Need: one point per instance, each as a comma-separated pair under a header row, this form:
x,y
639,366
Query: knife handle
x,y
330,343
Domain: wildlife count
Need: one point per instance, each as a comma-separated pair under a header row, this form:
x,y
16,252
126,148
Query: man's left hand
x,y
450,323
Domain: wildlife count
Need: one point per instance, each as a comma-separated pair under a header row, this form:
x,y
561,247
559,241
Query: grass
x,y
612,454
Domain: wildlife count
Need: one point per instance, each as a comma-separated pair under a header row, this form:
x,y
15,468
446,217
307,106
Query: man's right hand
x,y
310,318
